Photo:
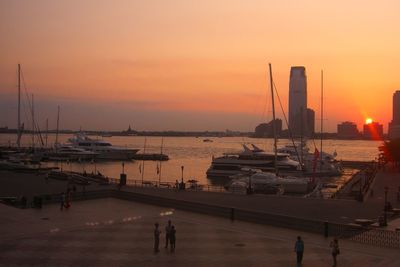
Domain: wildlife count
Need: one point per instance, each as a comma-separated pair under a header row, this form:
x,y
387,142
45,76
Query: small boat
x,y
106,135
208,140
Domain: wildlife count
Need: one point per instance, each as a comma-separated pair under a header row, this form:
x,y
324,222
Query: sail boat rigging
x,y
273,118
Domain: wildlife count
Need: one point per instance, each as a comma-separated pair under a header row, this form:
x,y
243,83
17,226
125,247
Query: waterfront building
x,y
301,119
267,130
373,131
310,122
394,125
347,130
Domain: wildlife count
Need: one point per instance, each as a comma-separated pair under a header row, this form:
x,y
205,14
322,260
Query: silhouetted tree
x,y
391,151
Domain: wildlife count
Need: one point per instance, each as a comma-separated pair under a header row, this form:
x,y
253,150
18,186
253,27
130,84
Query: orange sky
x,y
200,57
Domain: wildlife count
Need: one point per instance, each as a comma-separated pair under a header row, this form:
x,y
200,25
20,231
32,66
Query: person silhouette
x,y
157,233
299,249
167,233
172,237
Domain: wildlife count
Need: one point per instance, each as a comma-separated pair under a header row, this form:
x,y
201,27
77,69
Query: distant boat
x,y
207,140
106,135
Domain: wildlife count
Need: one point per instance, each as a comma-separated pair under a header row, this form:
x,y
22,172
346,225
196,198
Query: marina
x,y
196,157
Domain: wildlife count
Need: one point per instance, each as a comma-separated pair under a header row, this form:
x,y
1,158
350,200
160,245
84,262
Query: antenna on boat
x,y
273,117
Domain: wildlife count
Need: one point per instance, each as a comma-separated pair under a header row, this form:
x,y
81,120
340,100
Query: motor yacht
x,y
105,150
71,153
317,163
232,163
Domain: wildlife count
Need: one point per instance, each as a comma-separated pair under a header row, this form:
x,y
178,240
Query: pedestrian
x,y
172,238
167,233
176,185
68,199
299,249
62,201
157,233
335,250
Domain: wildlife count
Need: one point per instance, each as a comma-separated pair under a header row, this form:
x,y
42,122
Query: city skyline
x,y
198,65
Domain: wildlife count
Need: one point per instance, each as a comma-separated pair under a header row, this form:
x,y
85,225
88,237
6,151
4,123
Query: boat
x,y
70,153
106,135
261,182
208,140
232,163
317,163
105,150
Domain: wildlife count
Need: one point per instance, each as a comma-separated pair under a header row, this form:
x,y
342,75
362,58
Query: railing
x,y
170,185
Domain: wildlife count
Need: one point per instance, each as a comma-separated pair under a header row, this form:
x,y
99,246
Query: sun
x,y
368,121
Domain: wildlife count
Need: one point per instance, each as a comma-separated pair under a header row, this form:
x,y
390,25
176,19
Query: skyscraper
x,y
298,114
394,125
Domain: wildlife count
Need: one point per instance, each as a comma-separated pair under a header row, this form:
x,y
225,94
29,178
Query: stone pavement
x,y
112,232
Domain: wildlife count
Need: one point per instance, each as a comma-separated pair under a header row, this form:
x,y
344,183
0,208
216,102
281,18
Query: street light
x,y
182,167
385,208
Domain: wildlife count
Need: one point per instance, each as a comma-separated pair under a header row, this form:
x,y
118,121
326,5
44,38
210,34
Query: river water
x,y
193,154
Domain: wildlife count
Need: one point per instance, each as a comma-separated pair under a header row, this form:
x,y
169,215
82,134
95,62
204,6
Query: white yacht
x,y
105,150
69,152
262,182
322,164
233,163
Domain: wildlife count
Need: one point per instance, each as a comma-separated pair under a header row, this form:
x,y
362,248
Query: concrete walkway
x,y
112,232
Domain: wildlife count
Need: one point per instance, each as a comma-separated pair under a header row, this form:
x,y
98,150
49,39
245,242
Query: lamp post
x,y
385,208
182,167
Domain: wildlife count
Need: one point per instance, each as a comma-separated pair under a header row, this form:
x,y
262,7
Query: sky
x,y
196,65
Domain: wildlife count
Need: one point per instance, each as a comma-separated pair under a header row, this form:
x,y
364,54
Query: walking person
x,y
299,249
172,238
157,233
68,199
62,201
167,233
335,250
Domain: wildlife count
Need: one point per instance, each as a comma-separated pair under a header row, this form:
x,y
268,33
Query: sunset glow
x,y
368,121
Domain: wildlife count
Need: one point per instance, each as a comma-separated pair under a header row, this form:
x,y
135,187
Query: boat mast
x,y
273,118
47,130
33,125
58,121
19,107
322,111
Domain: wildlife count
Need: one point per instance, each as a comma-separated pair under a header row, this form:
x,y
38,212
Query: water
x,y
193,154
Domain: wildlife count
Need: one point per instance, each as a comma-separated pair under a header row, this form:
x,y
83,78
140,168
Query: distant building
x,y
129,131
394,125
267,129
310,122
298,100
347,130
373,131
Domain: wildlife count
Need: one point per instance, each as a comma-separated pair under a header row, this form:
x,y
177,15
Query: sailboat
x,y
264,181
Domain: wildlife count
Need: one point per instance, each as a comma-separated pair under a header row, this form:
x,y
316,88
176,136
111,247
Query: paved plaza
x,y
112,232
